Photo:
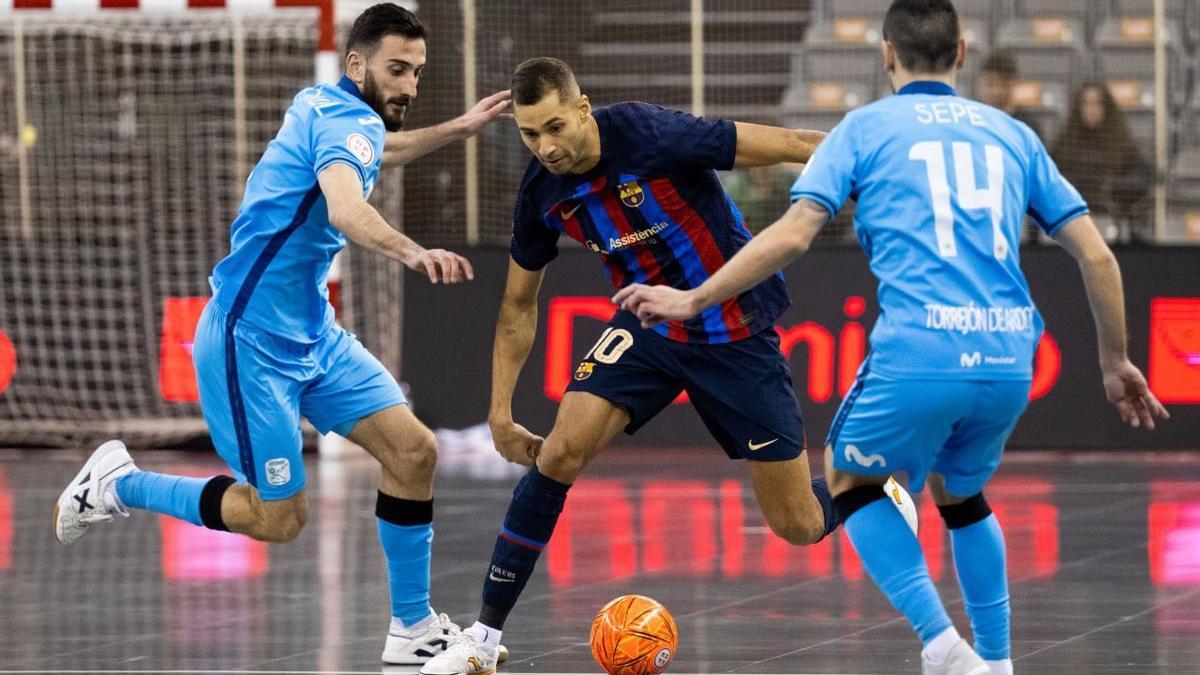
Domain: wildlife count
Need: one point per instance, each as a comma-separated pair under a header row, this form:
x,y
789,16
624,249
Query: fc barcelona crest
x,y
584,371
631,194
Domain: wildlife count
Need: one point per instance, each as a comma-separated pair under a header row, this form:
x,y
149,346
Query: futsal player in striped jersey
x,y
267,349
637,185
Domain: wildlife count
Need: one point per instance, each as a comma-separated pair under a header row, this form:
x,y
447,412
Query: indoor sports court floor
x,y
1104,562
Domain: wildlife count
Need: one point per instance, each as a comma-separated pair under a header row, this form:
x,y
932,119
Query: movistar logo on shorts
x,y
972,318
636,237
853,454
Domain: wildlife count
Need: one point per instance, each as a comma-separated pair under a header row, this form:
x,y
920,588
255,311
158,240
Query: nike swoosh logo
x,y
493,577
566,215
758,446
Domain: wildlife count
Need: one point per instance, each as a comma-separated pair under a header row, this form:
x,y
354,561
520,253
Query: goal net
x,y
130,140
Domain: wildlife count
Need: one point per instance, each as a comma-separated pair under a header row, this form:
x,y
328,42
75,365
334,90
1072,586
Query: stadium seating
x,y
1083,12
1047,48
821,105
1124,48
1135,98
845,49
1046,102
988,12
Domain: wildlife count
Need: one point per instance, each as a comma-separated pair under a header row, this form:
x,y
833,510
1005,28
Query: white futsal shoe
x,y
962,660
903,502
91,497
417,647
467,656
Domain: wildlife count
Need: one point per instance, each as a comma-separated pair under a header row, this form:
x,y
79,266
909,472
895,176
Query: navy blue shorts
x,y
742,390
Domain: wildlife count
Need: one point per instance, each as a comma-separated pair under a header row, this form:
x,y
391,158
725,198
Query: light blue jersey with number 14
x,y
943,184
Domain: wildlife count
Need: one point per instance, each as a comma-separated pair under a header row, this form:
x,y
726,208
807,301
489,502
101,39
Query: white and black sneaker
x,y
416,646
91,497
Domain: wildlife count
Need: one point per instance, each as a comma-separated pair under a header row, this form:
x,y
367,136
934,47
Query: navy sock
x,y
537,502
820,488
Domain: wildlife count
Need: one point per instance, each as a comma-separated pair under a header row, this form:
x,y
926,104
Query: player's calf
x,y
276,521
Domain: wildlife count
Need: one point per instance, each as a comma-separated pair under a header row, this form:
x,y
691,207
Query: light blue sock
x,y
408,552
979,558
892,556
175,496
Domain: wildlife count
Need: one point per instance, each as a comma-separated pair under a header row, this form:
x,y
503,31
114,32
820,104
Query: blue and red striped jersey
x,y
654,209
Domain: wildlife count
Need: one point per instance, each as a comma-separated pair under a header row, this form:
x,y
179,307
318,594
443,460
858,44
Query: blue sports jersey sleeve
x,y
1053,201
342,133
829,177
534,244
679,139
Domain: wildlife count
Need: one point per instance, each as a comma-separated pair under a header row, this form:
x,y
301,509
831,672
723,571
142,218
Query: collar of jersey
x,y
927,87
347,85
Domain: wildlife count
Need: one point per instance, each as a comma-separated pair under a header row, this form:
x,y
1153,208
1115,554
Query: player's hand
x,y
440,264
1126,388
516,443
655,304
488,109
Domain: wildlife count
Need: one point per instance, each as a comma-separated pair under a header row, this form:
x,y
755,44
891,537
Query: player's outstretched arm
x,y
402,147
516,328
350,213
1123,383
761,145
770,251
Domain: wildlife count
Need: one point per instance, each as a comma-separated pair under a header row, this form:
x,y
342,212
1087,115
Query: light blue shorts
x,y
956,428
254,387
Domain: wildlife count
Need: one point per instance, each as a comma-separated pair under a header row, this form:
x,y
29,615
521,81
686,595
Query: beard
x,y
375,99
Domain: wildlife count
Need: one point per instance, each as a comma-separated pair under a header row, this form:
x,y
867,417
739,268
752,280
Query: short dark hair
x,y
1001,63
535,78
379,21
924,33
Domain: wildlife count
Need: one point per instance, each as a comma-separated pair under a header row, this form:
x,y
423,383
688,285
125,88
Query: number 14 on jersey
x,y
970,196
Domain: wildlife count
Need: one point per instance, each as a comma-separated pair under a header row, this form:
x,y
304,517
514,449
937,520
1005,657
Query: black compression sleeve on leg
x,y
403,511
854,499
971,511
210,502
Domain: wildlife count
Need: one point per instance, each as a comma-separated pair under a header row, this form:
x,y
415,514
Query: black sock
x,y
537,502
820,488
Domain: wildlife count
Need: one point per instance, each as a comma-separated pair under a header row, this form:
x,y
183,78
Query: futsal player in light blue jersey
x,y
942,184
267,350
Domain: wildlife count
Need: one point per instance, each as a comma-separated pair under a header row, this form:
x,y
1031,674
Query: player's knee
x,y
966,512
562,458
411,453
798,529
799,525
420,452
282,521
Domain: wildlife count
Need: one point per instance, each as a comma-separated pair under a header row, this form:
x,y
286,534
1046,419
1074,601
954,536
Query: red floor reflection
x,y
614,529
1174,534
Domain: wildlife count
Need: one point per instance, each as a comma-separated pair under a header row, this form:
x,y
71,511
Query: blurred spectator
x,y
1096,152
761,193
996,80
